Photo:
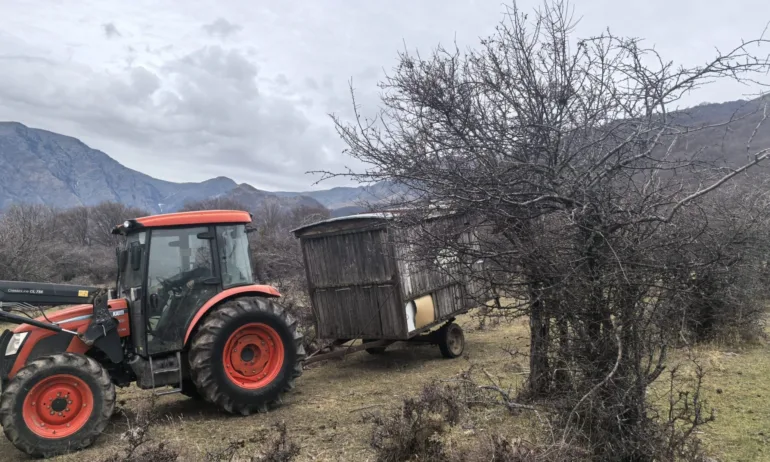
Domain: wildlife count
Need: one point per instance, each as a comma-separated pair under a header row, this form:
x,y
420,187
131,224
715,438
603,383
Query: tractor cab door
x,y
182,275
131,270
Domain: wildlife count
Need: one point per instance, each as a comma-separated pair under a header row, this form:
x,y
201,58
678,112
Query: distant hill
x,y
38,166
41,167
346,200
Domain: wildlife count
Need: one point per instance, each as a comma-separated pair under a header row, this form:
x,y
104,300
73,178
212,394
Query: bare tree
x,y
23,242
576,170
216,203
74,225
105,216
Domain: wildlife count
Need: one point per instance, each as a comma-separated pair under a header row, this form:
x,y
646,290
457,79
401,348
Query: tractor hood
x,y
72,313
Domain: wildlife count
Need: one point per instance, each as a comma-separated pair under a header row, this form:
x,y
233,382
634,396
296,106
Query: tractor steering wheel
x,y
176,283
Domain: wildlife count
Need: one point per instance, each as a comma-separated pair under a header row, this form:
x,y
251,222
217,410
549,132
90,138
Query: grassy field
x,y
325,414
737,386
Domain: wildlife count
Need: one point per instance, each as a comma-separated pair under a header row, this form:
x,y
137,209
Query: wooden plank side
x,y
358,312
449,301
391,310
416,277
324,325
350,259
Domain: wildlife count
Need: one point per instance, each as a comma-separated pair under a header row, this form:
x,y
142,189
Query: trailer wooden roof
x,y
331,223
350,222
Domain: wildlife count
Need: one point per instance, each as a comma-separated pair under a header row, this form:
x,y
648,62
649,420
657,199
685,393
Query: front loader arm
x,y
100,332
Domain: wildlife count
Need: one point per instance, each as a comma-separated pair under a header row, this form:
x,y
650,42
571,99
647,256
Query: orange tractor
x,y
185,313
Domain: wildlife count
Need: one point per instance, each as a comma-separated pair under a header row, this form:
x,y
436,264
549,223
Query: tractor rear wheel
x,y
246,354
57,404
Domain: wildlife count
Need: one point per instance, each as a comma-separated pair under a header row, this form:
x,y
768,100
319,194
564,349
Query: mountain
x,y
346,200
38,166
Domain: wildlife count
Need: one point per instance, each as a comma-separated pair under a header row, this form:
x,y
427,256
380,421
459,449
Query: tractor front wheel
x,y
246,355
57,404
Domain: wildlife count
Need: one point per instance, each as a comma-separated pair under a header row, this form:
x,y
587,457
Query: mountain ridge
x,y
44,167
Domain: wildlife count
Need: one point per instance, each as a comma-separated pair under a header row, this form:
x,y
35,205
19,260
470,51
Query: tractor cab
x,y
170,266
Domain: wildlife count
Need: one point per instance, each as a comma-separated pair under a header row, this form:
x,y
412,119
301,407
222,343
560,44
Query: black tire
x,y
376,350
191,391
207,368
451,341
68,364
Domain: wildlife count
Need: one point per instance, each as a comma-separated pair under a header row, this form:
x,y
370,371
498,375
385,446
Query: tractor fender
x,y
254,289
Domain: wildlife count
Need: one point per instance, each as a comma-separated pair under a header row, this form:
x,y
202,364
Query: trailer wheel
x,y
375,350
246,355
57,404
451,340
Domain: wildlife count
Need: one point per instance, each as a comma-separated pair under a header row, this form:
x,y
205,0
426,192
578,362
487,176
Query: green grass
x,y
737,386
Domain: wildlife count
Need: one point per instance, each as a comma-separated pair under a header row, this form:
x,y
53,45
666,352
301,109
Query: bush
x,y
278,448
138,445
416,429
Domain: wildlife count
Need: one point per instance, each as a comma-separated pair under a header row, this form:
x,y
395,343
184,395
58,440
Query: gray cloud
x,y
169,99
222,28
110,30
213,118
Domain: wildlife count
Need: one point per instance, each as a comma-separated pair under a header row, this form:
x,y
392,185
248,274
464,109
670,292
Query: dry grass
x,y
737,386
325,414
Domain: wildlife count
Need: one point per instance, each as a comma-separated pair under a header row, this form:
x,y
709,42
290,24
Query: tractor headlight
x,y
15,343
126,224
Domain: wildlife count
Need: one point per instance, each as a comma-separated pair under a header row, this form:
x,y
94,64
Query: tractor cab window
x,y
129,253
180,279
234,255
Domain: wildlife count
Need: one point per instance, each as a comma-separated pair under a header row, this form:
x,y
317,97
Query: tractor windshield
x,y
234,253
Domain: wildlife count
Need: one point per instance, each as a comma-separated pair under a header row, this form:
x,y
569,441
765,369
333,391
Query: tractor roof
x,y
203,217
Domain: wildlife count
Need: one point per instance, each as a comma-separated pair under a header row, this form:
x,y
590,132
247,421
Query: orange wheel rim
x,y
58,406
253,356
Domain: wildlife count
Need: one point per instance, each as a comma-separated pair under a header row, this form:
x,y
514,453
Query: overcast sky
x,y
243,88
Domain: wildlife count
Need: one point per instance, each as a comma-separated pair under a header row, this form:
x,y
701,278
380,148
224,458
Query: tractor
x,y
185,316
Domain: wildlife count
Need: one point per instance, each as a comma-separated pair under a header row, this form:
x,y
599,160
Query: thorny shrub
x,y
421,428
686,412
497,448
415,430
138,445
295,299
276,448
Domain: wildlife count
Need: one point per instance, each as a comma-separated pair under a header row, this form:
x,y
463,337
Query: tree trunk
x,y
539,368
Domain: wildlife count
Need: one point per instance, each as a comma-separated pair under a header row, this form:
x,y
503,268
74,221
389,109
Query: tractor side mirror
x,y
136,257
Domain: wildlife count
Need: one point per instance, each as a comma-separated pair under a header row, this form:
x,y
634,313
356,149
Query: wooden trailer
x,y
364,285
